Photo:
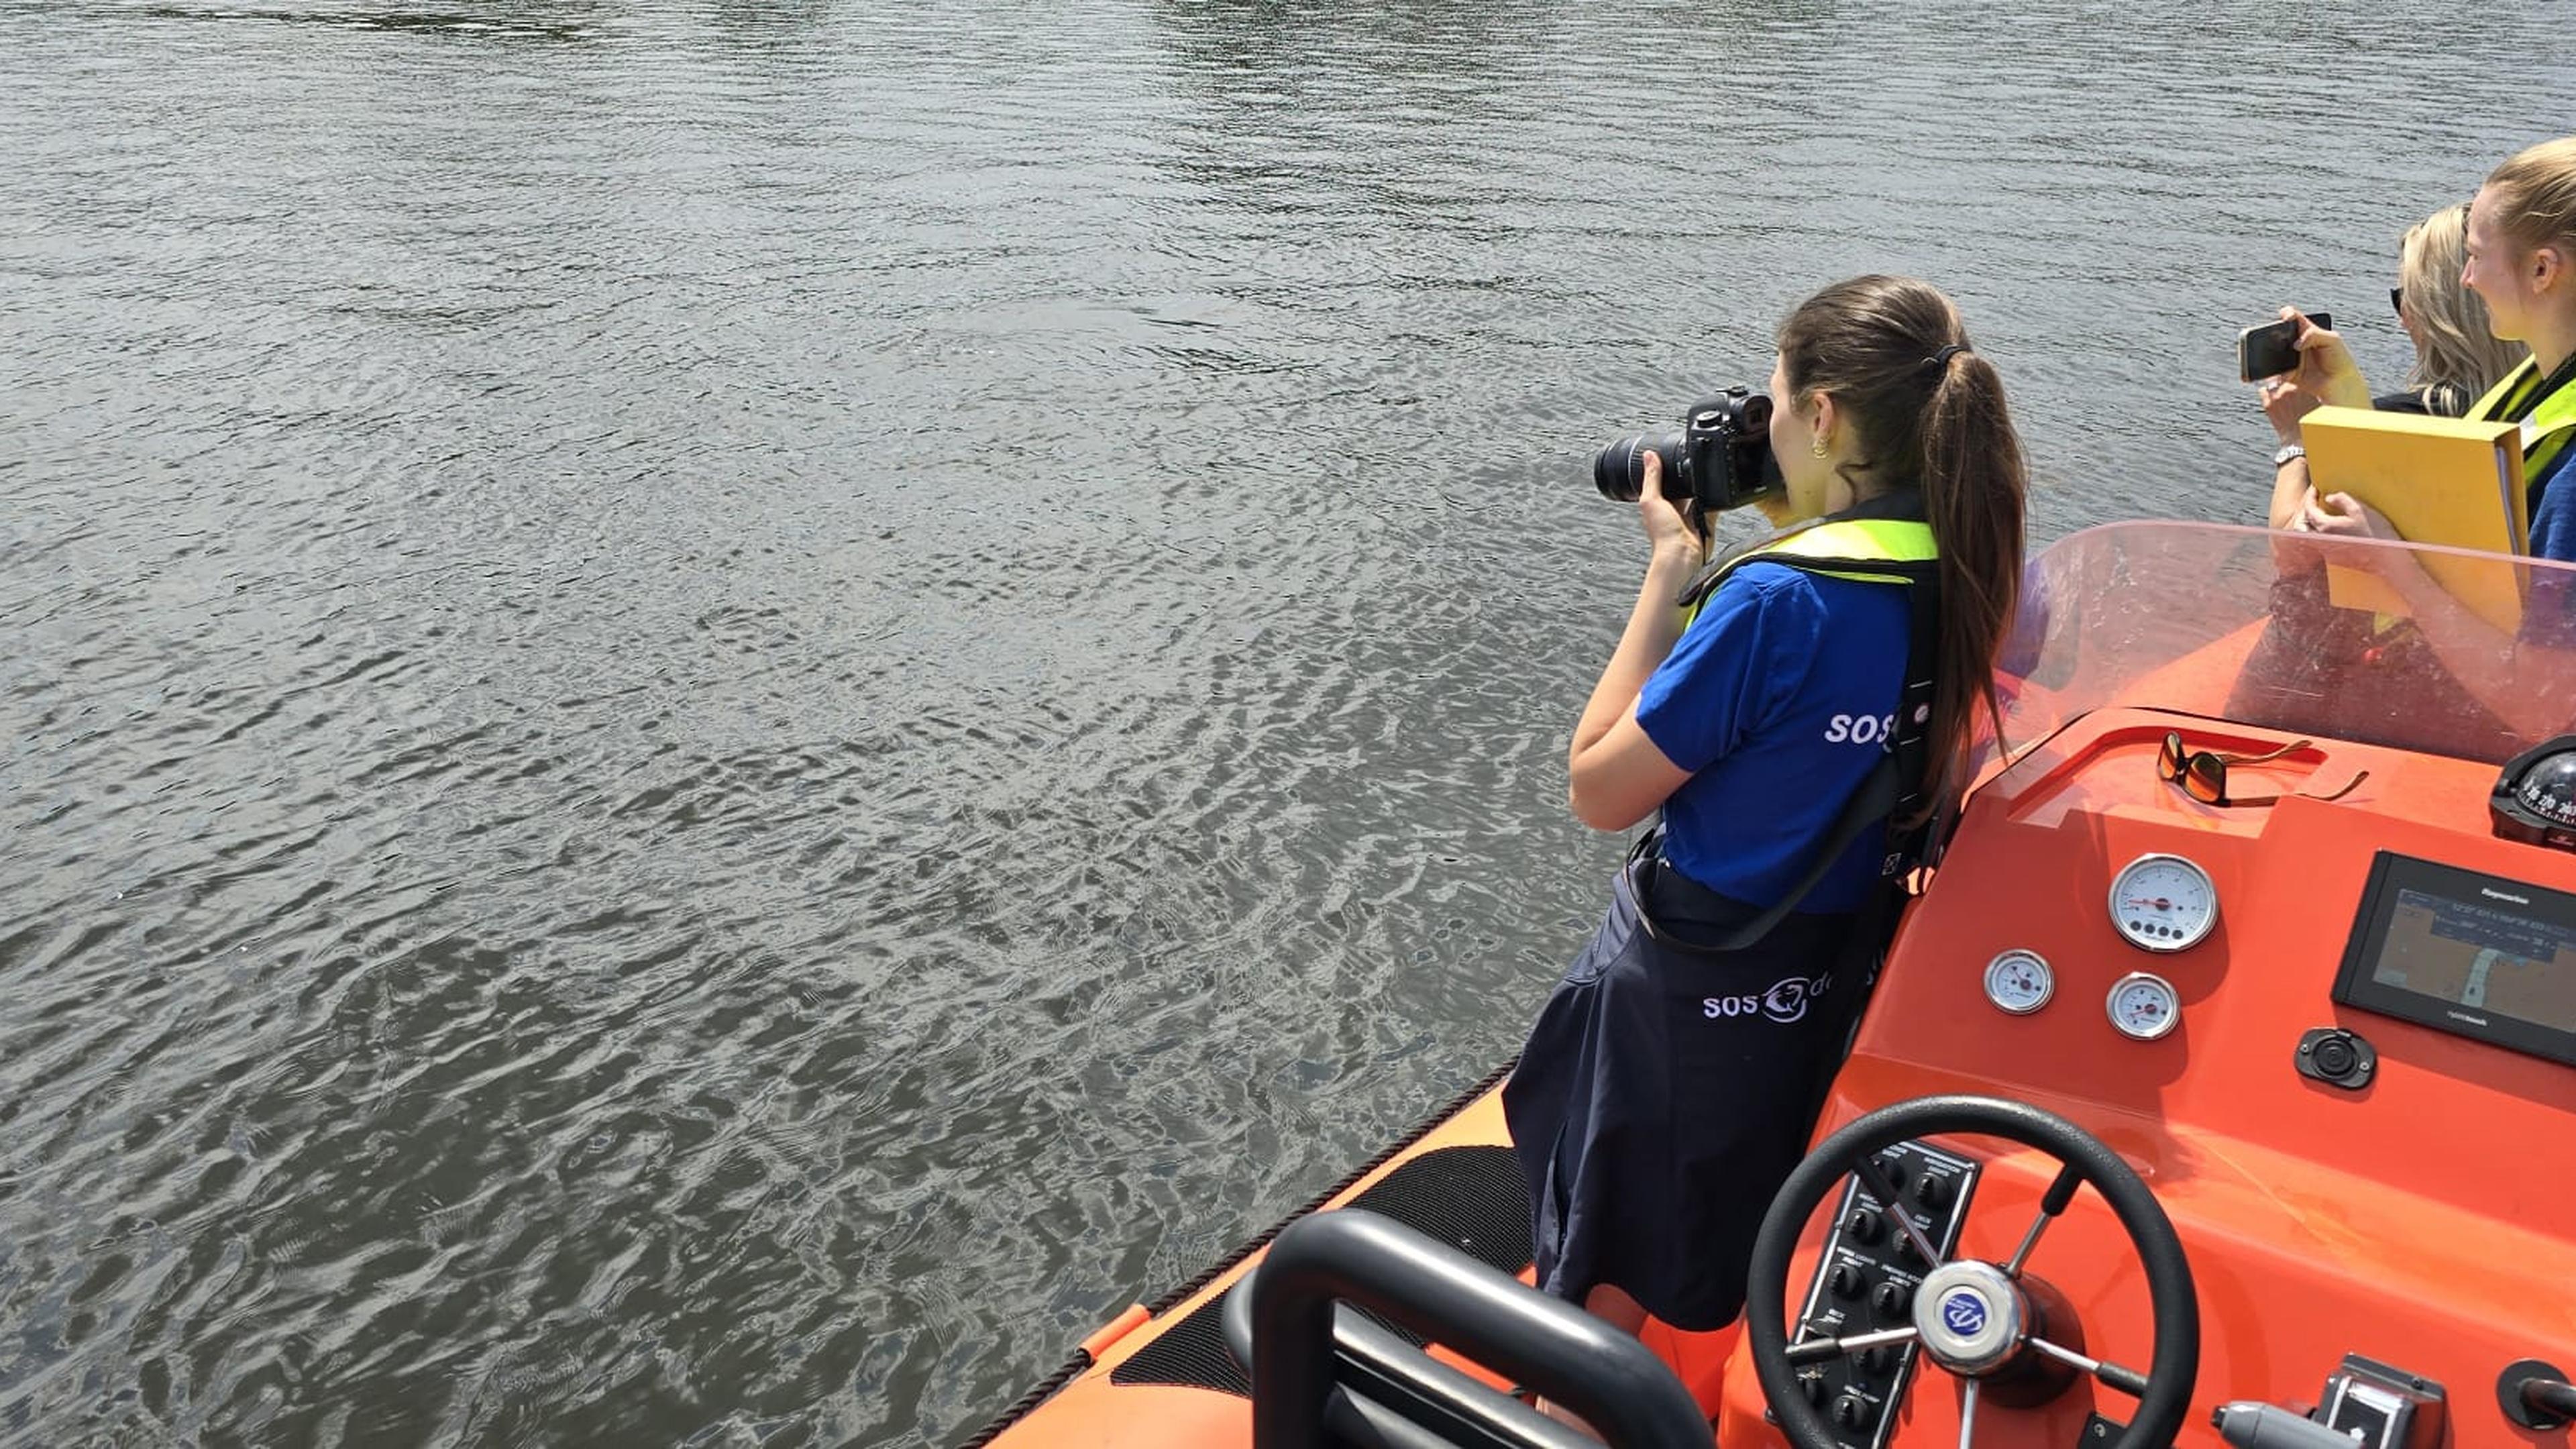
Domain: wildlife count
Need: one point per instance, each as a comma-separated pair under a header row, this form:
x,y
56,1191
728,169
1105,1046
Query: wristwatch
x,y
2289,452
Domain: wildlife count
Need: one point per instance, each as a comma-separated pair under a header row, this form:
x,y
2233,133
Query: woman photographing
x,y
1761,704
2458,356
2521,261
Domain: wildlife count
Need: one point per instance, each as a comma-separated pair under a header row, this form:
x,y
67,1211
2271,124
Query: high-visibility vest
x,y
1842,549
2546,430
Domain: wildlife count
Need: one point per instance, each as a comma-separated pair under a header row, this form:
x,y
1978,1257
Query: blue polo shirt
x,y
2553,509
1777,699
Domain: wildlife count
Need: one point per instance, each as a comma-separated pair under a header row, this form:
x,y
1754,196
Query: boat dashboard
x,y
2334,1033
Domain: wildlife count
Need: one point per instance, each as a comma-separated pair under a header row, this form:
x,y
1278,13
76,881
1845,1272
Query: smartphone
x,y
2273,348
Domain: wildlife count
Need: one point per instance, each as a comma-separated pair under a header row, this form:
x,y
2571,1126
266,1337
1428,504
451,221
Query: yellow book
x,y
2439,480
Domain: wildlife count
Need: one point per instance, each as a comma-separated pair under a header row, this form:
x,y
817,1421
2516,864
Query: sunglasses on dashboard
x,y
2202,774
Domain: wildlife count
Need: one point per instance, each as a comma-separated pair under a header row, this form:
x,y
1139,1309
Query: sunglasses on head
x,y
2202,774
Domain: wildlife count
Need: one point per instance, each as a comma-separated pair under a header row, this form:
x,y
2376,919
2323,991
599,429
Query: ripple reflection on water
x,y
725,715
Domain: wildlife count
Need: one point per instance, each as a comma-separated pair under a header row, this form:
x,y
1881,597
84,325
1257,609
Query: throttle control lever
x,y
2250,1425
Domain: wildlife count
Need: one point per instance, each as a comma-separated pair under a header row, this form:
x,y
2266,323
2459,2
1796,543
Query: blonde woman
x,y
2458,357
2522,262
2457,354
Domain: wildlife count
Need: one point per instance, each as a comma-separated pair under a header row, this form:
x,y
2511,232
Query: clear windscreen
x,y
2292,632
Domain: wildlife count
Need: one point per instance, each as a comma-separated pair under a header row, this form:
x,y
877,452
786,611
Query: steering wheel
x,y
1977,1320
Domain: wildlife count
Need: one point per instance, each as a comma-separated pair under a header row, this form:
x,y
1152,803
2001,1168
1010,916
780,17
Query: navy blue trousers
x,y
1665,1094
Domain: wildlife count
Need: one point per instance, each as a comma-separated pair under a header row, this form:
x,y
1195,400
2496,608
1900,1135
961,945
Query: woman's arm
x,y
1615,775
2289,486
2326,374
2529,685
2285,403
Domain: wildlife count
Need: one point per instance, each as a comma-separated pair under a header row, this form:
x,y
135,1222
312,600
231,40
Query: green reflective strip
x,y
2546,432
2497,396
2551,445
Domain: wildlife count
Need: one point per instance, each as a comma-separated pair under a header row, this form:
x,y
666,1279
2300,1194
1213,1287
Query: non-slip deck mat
x,y
1471,1198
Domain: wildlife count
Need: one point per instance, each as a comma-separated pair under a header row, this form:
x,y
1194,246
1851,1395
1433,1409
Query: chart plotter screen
x,y
2478,955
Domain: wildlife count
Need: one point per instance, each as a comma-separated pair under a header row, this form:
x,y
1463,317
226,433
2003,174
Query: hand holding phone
x,y
2273,348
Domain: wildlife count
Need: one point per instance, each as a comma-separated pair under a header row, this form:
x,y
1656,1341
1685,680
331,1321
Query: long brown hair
x,y
1874,344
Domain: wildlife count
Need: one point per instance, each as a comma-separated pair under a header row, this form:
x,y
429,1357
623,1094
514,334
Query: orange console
x,y
2331,1035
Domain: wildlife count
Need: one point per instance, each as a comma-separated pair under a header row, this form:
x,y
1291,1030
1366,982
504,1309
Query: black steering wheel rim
x,y
2176,1363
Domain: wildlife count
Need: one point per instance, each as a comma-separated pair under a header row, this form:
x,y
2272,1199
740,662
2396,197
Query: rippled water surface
x,y
719,716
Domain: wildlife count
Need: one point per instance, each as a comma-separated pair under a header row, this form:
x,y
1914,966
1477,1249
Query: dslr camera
x,y
1721,457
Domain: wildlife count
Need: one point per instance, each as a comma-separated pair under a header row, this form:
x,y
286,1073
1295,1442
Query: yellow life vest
x,y
1838,548
2546,429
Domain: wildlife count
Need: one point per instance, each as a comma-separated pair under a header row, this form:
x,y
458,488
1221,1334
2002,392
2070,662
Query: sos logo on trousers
x,y
1859,729
1784,1003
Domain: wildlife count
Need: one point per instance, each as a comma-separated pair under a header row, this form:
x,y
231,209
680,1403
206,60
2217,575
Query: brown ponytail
x,y
1926,410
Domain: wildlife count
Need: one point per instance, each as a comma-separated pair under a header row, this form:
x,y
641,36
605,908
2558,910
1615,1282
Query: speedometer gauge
x,y
2143,1005
2019,982
2163,903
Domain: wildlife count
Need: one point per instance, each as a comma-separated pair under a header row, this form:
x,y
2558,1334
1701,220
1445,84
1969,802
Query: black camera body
x,y
1721,458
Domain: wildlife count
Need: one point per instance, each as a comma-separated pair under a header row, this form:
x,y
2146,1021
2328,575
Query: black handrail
x,y
1287,1335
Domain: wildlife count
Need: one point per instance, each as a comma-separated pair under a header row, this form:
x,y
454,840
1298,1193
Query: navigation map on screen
x,y
2483,958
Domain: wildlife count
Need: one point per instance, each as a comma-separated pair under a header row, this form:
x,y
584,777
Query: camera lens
x,y
1614,470
1620,469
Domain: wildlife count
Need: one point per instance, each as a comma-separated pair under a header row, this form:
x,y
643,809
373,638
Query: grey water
x,y
716,717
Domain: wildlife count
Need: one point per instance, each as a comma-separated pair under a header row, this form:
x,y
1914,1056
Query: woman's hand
x,y
2294,550
2285,402
2326,370
1675,538
2340,515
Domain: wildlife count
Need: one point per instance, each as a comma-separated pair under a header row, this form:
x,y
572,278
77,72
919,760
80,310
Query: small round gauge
x,y
2163,903
2019,982
2144,1005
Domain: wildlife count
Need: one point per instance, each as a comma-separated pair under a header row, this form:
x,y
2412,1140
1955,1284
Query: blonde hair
x,y
2459,358
2536,192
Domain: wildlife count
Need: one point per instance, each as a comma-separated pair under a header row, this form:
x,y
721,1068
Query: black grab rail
x,y
1320,1376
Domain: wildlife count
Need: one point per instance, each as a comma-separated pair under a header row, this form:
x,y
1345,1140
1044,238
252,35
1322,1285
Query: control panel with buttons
x,y
1865,1281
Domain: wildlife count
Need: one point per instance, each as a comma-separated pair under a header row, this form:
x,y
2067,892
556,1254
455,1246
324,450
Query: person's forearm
x,y
2289,486
1653,626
